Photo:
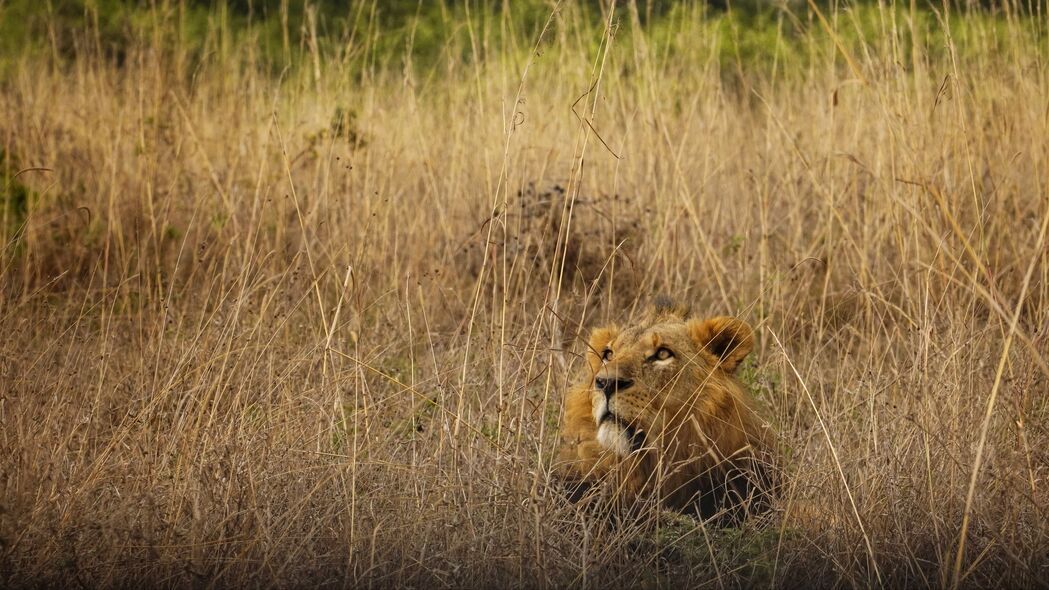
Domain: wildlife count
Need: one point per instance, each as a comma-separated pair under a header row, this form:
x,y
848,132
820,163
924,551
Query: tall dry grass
x,y
314,327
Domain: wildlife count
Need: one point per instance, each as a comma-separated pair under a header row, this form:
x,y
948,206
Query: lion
x,y
661,414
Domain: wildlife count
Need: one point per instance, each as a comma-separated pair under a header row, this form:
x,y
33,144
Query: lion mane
x,y
660,414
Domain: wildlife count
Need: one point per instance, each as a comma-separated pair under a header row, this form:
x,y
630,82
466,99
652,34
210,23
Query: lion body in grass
x,y
660,414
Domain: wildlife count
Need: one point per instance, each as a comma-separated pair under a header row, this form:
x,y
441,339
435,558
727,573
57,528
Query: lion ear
x,y
727,339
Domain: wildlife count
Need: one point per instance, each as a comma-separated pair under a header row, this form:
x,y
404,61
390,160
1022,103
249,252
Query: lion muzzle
x,y
610,385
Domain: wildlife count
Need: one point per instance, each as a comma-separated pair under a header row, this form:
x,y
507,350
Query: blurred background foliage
x,y
374,34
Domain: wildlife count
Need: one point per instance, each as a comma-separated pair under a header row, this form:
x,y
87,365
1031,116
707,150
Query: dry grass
x,y
247,345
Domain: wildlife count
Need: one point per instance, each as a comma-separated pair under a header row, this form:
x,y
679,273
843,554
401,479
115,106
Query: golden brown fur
x,y
672,422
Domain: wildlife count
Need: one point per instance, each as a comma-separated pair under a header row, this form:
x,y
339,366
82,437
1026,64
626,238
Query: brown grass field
x,y
313,325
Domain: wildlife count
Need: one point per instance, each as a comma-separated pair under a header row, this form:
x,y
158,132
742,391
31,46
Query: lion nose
x,y
610,386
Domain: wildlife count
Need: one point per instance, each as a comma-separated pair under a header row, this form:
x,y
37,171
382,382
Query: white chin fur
x,y
598,406
613,437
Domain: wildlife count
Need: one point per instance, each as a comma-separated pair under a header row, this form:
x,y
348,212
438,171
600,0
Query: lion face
x,y
660,411
650,379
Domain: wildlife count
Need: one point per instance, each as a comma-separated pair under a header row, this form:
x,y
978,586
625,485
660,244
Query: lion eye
x,y
606,355
662,354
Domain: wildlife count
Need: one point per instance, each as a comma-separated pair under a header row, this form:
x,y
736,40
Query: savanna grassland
x,y
290,295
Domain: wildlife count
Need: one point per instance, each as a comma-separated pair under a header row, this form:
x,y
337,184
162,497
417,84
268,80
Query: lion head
x,y
660,411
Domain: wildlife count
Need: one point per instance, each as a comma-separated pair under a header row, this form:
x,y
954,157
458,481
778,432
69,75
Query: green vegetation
x,y
14,199
424,34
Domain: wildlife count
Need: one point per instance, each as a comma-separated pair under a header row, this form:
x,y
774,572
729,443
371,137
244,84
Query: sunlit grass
x,y
312,325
